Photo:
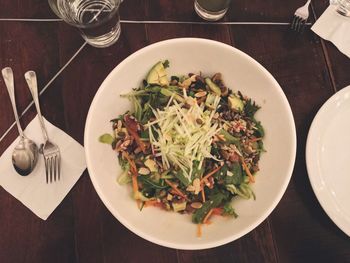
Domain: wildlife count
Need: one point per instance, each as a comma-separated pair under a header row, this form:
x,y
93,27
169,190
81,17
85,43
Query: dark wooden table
x,y
81,229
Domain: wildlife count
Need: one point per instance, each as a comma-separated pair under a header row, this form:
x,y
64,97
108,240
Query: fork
x,y
50,151
300,17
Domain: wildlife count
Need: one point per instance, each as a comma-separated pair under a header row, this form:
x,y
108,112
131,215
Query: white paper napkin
x,y
32,190
335,28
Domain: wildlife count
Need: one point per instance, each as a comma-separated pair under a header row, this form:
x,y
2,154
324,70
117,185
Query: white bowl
x,y
240,72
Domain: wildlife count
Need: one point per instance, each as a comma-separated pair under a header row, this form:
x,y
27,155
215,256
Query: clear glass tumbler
x,y
343,7
97,20
211,10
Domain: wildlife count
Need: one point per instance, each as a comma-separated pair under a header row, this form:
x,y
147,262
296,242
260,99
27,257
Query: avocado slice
x,y
214,88
235,103
169,93
209,102
157,75
179,206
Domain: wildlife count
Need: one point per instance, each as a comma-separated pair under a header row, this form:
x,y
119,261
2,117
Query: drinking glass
x,y
344,7
211,10
97,20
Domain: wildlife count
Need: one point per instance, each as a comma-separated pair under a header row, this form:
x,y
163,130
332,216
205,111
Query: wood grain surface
x,y
81,229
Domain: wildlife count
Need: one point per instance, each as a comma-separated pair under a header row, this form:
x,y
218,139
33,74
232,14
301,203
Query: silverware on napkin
x,y
25,154
49,150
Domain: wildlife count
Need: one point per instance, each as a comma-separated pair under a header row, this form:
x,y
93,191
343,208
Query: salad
x,y
190,145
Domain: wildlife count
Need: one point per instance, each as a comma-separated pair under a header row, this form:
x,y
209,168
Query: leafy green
x,y
147,113
251,108
144,100
184,180
221,174
119,118
215,151
196,172
261,146
236,178
228,137
172,78
144,134
123,163
260,130
228,210
124,178
150,187
106,138
166,64
216,197
214,201
148,182
243,190
137,107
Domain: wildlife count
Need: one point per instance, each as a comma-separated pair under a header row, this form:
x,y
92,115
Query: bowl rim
x,y
262,217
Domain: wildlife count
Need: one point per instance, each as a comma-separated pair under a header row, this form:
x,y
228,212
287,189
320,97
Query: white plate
x,y
328,158
240,72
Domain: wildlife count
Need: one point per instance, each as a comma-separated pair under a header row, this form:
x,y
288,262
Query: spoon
x,y
25,154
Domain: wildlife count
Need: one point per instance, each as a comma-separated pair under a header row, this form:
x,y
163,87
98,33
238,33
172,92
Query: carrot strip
x,y
133,169
203,194
207,216
135,186
255,139
176,189
245,167
138,141
132,163
153,203
210,174
150,202
199,230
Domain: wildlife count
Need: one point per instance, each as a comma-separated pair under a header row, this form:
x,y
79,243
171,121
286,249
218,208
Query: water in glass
x,y
97,20
211,10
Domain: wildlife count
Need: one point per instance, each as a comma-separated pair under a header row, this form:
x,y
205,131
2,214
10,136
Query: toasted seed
x,y
190,188
221,137
121,134
196,205
217,76
199,121
187,106
200,94
125,143
174,82
191,101
144,171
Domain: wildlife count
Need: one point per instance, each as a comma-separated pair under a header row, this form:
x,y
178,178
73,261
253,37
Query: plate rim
x,y
279,195
312,173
